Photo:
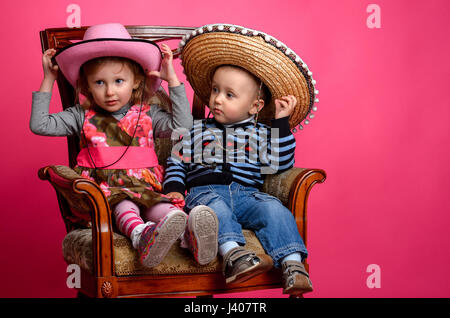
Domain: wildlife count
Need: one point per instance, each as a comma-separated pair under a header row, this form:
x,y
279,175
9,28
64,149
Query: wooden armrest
x,y
78,195
292,187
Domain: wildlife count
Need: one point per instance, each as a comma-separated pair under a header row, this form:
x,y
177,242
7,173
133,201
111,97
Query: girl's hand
x,y
176,199
175,195
167,72
50,70
285,106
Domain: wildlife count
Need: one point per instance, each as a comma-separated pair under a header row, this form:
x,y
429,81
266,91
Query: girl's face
x,y
111,85
233,95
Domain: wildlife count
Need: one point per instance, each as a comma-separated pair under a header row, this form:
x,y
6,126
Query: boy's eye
x,y
230,95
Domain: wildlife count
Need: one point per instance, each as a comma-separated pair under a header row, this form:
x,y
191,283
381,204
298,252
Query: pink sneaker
x,y
156,239
201,234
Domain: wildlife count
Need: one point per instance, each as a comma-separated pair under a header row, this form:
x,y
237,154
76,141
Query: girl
x,y
116,73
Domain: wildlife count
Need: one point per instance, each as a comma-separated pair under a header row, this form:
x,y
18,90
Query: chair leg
x,y
81,295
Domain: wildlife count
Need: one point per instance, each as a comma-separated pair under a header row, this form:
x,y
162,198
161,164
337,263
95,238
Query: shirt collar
x,y
250,119
242,123
121,111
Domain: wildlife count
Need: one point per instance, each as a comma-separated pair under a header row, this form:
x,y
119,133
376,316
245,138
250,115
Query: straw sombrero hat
x,y
111,39
280,68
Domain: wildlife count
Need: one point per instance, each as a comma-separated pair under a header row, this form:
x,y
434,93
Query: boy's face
x,y
234,95
111,85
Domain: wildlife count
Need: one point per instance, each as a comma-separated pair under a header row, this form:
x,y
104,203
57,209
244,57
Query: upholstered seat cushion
x,y
77,249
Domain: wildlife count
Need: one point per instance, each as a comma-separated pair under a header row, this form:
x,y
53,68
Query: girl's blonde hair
x,y
139,94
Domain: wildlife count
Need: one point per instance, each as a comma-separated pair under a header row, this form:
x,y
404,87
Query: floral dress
x,y
141,185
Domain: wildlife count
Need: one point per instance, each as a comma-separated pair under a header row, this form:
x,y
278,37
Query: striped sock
x,y
127,216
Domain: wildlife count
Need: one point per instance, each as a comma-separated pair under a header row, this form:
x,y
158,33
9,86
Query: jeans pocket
x,y
261,196
199,197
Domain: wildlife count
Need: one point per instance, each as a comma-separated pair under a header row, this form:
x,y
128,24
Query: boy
x,y
223,161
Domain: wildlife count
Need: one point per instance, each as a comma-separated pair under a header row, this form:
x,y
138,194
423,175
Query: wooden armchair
x,y
109,265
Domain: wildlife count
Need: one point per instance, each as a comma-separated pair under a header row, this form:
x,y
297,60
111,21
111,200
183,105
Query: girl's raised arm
x,y
50,71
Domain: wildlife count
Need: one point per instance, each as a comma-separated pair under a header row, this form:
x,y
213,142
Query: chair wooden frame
x,y
103,282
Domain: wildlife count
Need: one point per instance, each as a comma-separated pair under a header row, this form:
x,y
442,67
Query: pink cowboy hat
x,y
111,39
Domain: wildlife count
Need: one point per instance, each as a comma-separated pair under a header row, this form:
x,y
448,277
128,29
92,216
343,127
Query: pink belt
x,y
135,157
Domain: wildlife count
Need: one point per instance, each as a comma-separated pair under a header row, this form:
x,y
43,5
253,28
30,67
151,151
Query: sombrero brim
x,y
71,58
276,65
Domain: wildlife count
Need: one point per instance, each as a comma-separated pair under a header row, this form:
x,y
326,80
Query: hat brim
x,y
203,53
71,58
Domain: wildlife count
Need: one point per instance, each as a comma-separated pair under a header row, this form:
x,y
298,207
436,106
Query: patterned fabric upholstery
x,y
163,147
77,249
279,185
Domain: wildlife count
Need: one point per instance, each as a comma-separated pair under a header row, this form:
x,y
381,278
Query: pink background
x,y
381,133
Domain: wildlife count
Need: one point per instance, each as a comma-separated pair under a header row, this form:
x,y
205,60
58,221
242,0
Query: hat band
x,y
106,40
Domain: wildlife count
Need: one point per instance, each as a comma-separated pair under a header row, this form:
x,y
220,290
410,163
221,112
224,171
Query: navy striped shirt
x,y
214,154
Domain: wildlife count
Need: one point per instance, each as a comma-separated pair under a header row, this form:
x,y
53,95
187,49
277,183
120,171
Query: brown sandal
x,y
295,279
240,265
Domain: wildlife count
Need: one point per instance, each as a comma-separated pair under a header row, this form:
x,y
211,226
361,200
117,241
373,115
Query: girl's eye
x,y
99,82
230,95
119,81
215,89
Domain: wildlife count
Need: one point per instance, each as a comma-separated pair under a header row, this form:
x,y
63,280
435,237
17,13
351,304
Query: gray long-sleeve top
x,y
70,121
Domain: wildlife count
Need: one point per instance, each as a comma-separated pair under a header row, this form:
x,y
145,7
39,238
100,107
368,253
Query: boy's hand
x,y
175,195
285,106
167,72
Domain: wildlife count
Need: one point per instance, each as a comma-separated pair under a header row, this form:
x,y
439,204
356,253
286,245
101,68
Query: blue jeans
x,y
240,207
